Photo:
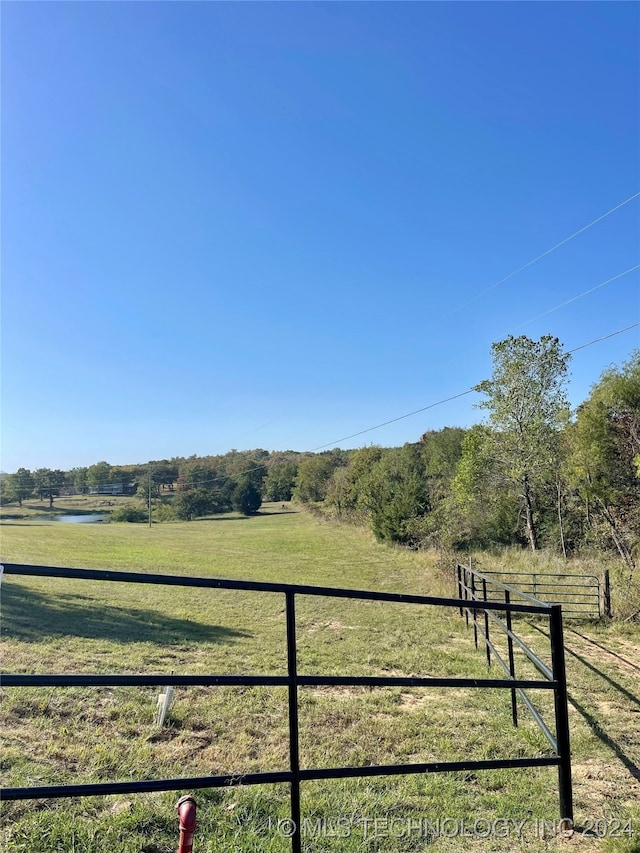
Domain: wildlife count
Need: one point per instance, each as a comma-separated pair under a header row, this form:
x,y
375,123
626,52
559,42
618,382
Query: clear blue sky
x,y
235,225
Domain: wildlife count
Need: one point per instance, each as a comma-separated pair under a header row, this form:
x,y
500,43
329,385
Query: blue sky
x,y
236,225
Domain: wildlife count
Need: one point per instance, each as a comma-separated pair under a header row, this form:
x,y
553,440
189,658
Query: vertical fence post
x,y
607,595
466,594
562,715
475,612
486,622
512,662
459,576
294,751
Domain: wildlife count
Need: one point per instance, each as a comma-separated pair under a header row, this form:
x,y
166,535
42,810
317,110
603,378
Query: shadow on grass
x,y
258,514
602,735
32,616
615,684
592,721
605,649
224,518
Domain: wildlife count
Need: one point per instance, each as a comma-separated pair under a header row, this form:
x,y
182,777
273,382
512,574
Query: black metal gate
x,y
554,680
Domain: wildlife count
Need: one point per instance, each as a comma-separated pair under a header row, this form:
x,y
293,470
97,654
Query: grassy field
x,y
82,735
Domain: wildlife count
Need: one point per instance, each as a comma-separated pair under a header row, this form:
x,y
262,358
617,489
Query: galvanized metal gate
x,y
580,595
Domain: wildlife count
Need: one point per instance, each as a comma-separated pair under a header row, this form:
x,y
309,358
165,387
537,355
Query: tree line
x,y
532,473
181,487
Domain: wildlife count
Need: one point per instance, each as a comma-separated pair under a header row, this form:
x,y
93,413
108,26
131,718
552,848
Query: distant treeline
x,y
533,474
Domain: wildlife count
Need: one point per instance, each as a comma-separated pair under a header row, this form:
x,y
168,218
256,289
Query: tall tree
x,y
79,479
396,496
280,480
349,492
527,406
48,483
99,474
484,509
19,486
313,477
604,457
165,473
246,497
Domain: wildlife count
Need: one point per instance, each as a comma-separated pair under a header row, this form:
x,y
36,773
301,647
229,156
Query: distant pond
x,y
87,518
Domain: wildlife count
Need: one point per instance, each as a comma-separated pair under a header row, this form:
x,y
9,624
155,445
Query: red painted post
x,y
187,811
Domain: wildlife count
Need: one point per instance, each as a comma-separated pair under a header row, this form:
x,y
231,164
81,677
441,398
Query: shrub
x,y
133,514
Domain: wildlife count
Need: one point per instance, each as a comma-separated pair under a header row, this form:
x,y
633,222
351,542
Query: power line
x,y
393,420
497,284
502,281
540,257
456,396
604,338
580,295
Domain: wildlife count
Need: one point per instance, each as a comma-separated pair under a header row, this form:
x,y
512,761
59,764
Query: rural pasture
x,y
56,735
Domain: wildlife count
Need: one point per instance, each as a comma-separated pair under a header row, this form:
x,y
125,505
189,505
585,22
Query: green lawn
x,y
81,735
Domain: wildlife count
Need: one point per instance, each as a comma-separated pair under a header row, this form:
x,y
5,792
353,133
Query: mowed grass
x,y
61,735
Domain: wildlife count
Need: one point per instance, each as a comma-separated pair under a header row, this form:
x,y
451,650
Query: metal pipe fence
x,y
295,775
474,588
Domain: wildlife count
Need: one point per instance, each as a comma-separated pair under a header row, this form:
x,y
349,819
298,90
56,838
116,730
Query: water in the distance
x,y
88,518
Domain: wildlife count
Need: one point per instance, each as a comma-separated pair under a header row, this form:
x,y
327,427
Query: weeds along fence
x,y
295,775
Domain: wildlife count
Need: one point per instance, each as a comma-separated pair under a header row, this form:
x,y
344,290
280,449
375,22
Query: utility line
x,y
497,284
540,257
462,394
394,420
604,338
579,296
400,417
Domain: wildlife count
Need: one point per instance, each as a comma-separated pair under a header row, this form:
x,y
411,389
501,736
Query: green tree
x,y
313,477
441,451
19,485
194,503
48,483
165,473
201,472
79,479
280,480
340,491
528,408
349,492
396,496
246,497
485,507
603,457
99,474
130,513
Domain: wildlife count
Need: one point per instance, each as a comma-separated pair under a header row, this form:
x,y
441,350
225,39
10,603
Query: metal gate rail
x,y
579,594
295,774
473,589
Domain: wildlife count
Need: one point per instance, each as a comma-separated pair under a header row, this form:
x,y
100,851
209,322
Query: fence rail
x,y
293,680
473,589
579,594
